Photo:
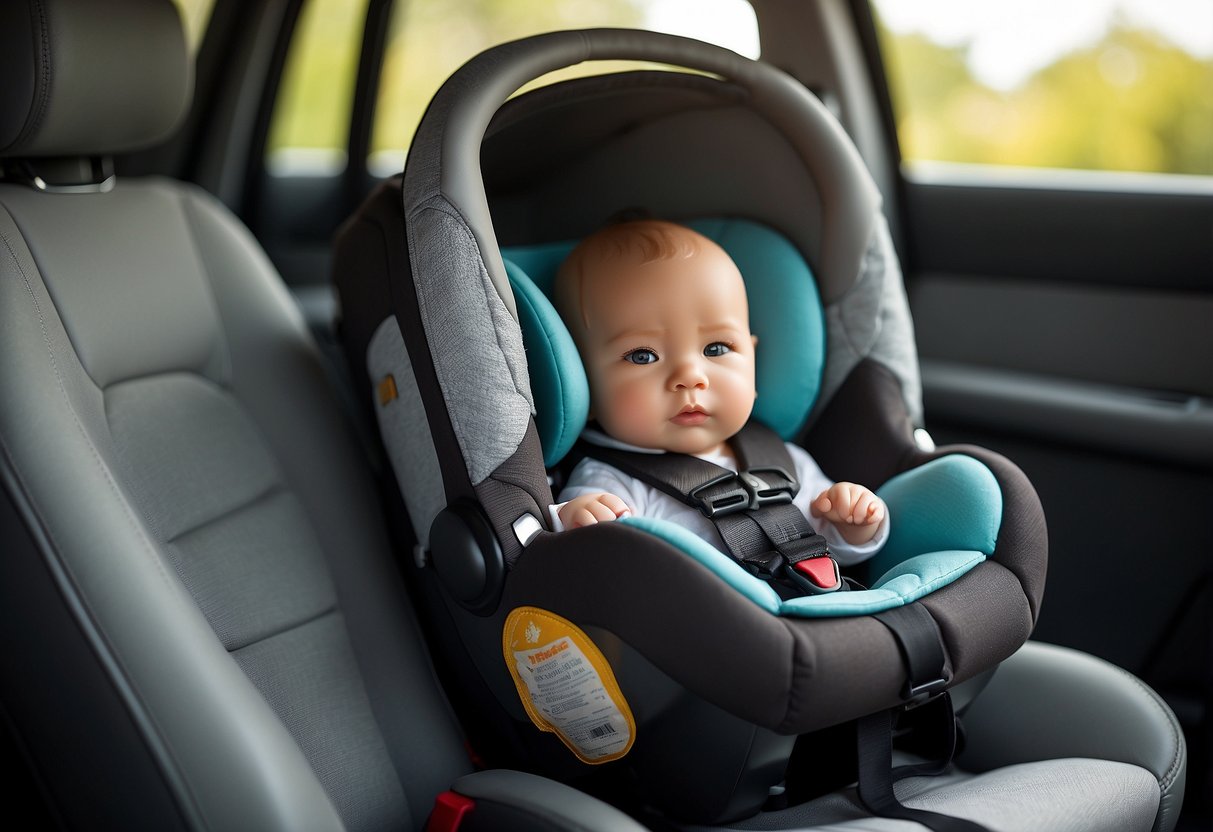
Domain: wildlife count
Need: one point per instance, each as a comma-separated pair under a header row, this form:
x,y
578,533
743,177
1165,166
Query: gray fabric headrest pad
x,y
90,77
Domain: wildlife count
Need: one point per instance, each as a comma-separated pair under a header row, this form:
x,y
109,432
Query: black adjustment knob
x,y
467,557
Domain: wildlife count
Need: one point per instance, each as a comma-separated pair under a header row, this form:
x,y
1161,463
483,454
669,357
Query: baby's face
x,y
668,352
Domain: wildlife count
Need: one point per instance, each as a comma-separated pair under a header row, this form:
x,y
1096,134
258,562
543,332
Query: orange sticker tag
x,y
387,390
566,685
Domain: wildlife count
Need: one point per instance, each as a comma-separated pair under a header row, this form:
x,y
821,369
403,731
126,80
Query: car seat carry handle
x,y
444,158
752,508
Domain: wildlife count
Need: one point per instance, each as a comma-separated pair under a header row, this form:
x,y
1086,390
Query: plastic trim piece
x,y
1139,423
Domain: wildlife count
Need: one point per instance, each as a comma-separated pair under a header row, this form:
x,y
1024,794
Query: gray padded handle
x,y
445,156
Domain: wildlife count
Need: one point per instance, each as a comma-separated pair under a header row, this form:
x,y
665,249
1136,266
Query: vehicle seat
x,y
204,627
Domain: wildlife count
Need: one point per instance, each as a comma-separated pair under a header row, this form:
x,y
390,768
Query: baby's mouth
x,y
690,415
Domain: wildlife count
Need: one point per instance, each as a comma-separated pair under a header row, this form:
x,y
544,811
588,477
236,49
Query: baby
x,y
660,317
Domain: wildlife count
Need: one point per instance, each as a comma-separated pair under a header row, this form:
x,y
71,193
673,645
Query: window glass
x,y
430,39
310,129
194,16
1116,85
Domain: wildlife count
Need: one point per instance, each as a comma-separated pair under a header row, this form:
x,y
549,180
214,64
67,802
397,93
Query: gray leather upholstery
x,y
88,78
165,417
1070,704
1073,795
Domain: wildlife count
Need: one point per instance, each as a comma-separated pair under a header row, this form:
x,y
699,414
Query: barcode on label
x,y
601,730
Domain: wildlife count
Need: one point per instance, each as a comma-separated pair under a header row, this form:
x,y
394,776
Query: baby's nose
x,y
688,375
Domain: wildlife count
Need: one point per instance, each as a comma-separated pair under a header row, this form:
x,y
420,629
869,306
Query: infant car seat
x,y
706,677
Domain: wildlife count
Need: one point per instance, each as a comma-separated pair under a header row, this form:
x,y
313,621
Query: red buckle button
x,y
447,814
822,571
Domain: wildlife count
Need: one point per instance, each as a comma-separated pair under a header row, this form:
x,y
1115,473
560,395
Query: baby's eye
x,y
716,349
641,356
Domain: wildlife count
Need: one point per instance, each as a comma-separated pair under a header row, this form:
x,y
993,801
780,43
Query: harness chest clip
x,y
722,496
731,492
768,492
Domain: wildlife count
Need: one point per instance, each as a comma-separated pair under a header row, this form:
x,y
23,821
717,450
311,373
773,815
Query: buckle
x,y
916,695
764,493
746,491
736,499
769,565
817,575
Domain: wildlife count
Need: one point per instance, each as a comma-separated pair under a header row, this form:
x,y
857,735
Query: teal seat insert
x,y
944,518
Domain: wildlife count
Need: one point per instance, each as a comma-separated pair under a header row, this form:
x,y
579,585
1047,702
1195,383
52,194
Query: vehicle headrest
x,y
88,78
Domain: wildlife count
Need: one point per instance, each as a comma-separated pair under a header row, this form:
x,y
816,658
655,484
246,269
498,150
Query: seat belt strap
x,y
921,645
922,651
751,509
877,775
778,542
707,487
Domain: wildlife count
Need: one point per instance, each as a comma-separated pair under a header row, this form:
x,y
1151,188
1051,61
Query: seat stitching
x,y
1172,771
189,213
43,83
105,471
262,496
334,609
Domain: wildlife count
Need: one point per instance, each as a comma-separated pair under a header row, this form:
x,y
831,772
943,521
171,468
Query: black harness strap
x,y
921,646
752,509
877,775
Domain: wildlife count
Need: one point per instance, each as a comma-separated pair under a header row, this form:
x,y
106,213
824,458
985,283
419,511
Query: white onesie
x,y
591,476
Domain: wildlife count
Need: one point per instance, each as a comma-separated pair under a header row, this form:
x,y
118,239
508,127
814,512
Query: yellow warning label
x,y
566,685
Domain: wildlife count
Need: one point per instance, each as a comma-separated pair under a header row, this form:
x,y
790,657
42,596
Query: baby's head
x,y
660,317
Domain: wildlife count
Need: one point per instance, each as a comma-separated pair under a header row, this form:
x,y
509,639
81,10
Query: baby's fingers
x,y
590,509
616,505
876,512
581,517
590,514
864,511
821,504
602,512
842,495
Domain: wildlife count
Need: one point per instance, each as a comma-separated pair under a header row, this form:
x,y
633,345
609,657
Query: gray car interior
x,y
206,623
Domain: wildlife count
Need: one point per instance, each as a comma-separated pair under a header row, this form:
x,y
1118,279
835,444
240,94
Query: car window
x,y
309,131
1108,85
195,14
430,39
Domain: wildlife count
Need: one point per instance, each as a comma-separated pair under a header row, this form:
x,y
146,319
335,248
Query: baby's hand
x,y
854,510
589,509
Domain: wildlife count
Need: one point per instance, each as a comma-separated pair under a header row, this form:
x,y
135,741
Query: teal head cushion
x,y
785,314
